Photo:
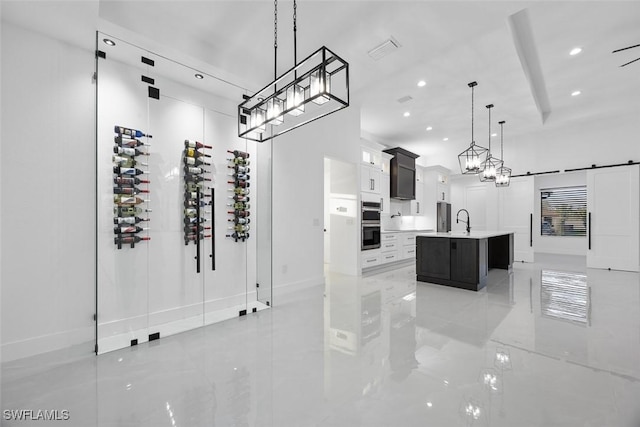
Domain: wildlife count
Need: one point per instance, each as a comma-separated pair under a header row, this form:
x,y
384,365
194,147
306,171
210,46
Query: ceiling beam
x,y
522,35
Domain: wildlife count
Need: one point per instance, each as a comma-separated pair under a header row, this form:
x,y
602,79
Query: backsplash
x,y
403,222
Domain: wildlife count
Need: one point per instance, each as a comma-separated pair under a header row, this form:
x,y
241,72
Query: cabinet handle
x,y
370,260
589,231
371,183
418,203
390,256
443,196
381,204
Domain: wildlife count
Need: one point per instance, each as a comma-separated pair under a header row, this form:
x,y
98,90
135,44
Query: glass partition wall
x,y
183,204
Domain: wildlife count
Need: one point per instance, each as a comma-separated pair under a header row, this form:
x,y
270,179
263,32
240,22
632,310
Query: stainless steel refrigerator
x,y
444,217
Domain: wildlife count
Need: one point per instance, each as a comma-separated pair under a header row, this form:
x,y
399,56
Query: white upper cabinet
x,y
370,179
371,157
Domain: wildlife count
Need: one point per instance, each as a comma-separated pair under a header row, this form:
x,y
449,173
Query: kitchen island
x,y
461,259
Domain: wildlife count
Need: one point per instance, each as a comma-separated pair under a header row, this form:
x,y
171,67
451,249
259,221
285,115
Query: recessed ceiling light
x,y
494,134
445,139
575,51
199,76
422,83
429,128
406,114
575,93
109,42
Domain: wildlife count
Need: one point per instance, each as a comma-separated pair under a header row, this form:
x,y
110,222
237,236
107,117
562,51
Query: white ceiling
x,y
446,43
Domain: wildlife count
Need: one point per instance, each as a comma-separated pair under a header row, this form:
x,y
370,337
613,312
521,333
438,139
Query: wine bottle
x,y
237,153
128,200
239,220
191,186
129,151
128,190
127,162
240,227
239,169
240,191
188,203
239,206
128,211
120,180
239,198
196,178
240,176
188,229
129,239
130,132
128,220
193,212
189,143
192,161
193,152
128,229
239,161
191,170
192,237
124,142
194,195
238,183
240,214
239,235
194,220
127,171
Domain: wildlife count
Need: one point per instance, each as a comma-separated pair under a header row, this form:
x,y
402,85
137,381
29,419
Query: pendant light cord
x,y
489,107
295,30
472,140
501,141
275,39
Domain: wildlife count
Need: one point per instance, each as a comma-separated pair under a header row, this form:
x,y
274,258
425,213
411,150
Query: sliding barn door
x,y
613,212
516,216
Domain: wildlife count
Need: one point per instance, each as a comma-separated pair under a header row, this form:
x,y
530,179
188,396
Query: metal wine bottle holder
x,y
239,165
195,162
125,189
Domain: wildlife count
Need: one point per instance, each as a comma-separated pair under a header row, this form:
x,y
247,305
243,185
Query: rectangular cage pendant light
x,y
315,87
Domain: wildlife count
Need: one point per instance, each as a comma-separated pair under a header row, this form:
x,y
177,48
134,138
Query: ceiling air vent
x,y
404,99
384,49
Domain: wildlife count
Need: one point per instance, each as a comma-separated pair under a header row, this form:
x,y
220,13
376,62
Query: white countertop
x,y
464,235
407,231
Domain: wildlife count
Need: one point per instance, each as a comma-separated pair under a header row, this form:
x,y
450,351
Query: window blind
x,y
563,211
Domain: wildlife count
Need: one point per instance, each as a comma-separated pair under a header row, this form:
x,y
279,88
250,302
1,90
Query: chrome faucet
x,y
395,215
468,221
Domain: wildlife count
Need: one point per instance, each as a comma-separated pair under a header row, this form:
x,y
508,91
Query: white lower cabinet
x,y
370,258
388,248
408,245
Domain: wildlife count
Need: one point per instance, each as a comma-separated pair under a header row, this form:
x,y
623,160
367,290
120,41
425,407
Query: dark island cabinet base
x,y
462,263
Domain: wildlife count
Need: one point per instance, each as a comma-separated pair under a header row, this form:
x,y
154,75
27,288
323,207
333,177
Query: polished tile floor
x,y
550,344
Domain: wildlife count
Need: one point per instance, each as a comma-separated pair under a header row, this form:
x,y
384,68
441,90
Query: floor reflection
x,y
550,343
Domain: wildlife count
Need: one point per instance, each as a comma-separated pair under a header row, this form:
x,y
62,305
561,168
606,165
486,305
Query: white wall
x,y
298,201
47,186
567,245
479,198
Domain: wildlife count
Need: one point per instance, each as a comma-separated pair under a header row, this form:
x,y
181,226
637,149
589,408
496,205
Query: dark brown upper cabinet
x,y
403,173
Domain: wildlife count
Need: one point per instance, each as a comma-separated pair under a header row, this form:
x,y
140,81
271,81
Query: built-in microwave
x,y
370,212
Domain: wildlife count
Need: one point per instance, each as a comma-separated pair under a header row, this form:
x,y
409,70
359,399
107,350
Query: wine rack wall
x,y
196,195
128,205
239,164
